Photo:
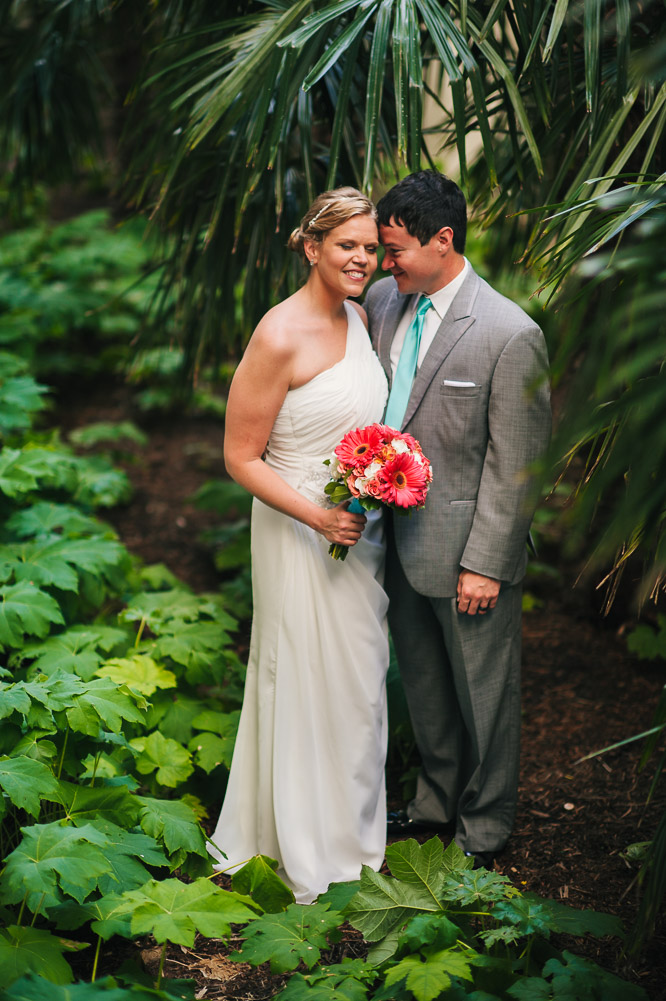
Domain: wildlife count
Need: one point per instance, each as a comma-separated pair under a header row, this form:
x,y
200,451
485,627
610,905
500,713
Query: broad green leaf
x,y
27,782
33,745
286,939
76,650
172,911
569,920
345,981
98,803
258,879
177,720
384,904
26,950
52,859
477,886
141,673
44,518
26,611
414,863
103,702
431,930
213,749
426,979
169,760
172,823
58,562
579,978
112,432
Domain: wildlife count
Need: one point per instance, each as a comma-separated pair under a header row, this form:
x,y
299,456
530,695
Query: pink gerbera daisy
x,y
357,449
404,482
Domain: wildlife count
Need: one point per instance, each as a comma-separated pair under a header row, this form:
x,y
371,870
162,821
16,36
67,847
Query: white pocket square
x,y
462,385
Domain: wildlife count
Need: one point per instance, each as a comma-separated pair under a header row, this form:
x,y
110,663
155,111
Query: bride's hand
x,y
341,526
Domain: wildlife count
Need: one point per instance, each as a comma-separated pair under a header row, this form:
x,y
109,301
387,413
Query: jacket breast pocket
x,y
460,388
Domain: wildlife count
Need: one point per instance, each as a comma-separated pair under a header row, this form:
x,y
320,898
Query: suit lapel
x,y
458,319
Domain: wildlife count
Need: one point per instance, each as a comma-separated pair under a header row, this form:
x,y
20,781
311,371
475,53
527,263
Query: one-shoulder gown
x,y
307,778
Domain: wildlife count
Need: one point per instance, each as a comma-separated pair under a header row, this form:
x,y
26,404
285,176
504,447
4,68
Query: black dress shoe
x,y
397,822
482,860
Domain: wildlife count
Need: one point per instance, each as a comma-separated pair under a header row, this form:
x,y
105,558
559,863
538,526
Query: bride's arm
x,y
257,392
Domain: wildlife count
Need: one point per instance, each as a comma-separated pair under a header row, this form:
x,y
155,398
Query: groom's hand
x,y
476,593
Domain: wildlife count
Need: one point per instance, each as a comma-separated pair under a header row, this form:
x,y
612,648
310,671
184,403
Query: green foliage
x,y
296,935
648,643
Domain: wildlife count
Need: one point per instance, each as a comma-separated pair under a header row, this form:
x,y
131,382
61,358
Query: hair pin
x,y
314,218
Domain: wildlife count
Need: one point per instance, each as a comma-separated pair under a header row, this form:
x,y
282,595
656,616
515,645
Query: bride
x,y
307,777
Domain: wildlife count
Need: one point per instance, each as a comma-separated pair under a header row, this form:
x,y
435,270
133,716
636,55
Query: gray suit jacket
x,y
480,438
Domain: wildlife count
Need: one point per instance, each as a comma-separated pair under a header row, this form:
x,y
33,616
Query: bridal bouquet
x,y
376,466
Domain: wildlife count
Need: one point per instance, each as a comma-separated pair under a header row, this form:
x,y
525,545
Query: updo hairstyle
x,y
328,210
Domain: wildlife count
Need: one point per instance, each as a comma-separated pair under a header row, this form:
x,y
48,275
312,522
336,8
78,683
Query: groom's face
x,y
415,267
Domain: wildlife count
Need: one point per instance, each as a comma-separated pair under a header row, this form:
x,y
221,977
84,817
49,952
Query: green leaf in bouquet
x,y
45,518
27,782
294,936
53,860
26,611
258,879
170,761
32,950
174,824
138,672
173,911
337,491
103,702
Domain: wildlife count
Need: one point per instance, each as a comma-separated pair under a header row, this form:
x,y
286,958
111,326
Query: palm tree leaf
x,y
375,88
341,44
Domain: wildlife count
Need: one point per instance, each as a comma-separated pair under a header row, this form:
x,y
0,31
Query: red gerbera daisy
x,y
357,449
404,482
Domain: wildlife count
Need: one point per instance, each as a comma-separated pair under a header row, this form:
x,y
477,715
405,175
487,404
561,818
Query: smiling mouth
x,y
356,275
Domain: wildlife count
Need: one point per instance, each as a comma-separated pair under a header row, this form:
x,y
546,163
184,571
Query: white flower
x,y
372,470
399,445
360,483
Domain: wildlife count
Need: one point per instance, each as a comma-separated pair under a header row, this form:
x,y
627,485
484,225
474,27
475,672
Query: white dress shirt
x,y
441,300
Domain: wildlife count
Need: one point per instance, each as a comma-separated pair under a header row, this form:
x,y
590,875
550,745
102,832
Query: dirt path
x,y
581,691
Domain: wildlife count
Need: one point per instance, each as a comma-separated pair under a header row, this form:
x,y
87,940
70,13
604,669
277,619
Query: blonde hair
x,y
328,210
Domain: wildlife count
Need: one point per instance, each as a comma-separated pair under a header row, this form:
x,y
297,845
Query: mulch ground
x,y
581,691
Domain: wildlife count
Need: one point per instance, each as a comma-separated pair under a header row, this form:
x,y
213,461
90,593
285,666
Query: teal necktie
x,y
406,368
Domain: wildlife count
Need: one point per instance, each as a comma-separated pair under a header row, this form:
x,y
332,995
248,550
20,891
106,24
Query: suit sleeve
x,y
519,424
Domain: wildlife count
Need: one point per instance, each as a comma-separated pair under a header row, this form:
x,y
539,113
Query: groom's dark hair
x,y
424,203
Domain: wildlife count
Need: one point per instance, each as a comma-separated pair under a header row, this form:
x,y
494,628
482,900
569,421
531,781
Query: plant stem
x,y
37,910
23,903
96,960
62,753
139,633
161,969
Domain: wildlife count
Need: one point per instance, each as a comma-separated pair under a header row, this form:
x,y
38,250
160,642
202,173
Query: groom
x,y
467,369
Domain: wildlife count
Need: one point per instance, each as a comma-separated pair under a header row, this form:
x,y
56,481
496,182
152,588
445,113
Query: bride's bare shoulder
x,y
275,334
359,309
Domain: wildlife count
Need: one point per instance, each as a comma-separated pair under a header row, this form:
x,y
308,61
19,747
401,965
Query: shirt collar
x,y
443,297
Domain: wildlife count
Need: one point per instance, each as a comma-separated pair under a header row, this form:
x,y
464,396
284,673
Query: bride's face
x,y
346,258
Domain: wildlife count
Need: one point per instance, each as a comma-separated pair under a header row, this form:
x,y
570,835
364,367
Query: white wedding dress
x,y
307,778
